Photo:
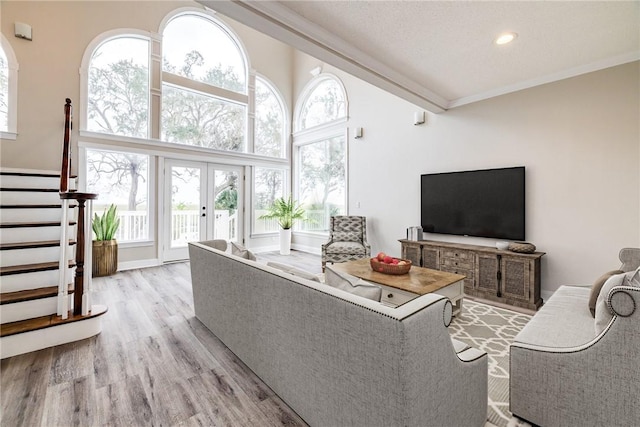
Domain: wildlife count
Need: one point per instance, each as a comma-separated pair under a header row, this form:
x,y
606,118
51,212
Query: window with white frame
x,y
268,185
269,135
8,90
118,87
204,84
4,92
121,178
321,152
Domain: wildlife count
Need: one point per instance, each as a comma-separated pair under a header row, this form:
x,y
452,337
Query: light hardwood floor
x,y
153,364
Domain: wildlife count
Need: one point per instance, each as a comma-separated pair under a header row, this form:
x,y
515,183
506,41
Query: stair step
x,y
33,224
31,294
32,174
43,322
31,268
35,206
32,245
30,190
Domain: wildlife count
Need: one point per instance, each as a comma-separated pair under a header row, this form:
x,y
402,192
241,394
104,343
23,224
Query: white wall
x,y
579,140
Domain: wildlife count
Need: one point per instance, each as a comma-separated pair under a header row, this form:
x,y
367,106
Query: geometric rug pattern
x,y
492,329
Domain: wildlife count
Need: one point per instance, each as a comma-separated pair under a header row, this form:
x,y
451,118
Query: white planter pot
x,y
285,241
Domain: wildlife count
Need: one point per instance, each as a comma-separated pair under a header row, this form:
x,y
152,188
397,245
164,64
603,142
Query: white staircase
x,y
30,251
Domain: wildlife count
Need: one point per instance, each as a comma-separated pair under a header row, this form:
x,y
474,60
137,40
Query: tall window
x,y
321,149
121,178
8,90
270,121
204,89
118,92
4,91
268,185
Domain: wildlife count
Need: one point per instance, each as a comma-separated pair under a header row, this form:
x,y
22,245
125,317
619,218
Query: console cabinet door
x,y
487,268
412,253
515,278
431,258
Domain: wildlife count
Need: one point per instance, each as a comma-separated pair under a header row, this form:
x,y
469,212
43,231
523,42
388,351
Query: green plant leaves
x,y
105,226
286,211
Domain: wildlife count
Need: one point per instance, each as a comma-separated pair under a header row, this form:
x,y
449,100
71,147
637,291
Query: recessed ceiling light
x,y
506,38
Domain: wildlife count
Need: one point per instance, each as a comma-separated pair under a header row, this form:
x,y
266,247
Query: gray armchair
x,y
347,240
568,368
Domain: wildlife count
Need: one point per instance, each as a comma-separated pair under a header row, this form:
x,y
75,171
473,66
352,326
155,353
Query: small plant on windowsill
x,y
105,247
286,212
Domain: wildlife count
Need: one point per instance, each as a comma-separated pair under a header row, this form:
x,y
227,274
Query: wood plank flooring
x,y
153,364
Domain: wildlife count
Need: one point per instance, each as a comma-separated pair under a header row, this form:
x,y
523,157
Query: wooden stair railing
x,y
82,280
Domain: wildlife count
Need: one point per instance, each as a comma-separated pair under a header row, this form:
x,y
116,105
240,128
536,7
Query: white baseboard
x,y
309,249
142,263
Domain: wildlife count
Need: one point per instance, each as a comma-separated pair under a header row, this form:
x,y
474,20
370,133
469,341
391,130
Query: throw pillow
x,y
603,314
242,252
295,271
352,284
595,289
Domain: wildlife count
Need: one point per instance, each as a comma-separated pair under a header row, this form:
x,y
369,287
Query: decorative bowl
x,y
396,269
503,246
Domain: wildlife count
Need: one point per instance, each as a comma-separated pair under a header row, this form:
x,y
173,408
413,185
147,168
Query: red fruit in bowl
x,y
381,256
395,262
388,259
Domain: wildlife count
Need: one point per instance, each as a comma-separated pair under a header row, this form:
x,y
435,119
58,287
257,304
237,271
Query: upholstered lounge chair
x,y
347,240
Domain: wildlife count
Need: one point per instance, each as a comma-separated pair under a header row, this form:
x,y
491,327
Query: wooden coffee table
x,y
398,289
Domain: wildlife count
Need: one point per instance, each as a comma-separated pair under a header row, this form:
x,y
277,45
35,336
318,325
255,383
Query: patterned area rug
x,y
492,329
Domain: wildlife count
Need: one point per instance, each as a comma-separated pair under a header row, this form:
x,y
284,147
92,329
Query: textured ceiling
x,y
447,47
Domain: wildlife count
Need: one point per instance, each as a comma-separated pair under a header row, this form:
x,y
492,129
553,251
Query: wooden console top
x,y
419,280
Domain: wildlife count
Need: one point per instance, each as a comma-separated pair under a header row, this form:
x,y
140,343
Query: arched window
x,y
321,151
270,133
324,101
118,87
204,84
8,90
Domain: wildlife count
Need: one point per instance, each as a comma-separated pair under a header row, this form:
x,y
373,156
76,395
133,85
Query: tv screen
x,y
483,203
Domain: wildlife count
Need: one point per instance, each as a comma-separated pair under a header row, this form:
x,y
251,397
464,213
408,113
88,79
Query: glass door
x,y
203,201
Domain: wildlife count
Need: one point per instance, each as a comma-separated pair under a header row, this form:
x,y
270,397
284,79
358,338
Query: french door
x,y
202,201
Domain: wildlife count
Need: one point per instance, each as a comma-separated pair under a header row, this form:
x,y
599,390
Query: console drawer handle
x,y
390,296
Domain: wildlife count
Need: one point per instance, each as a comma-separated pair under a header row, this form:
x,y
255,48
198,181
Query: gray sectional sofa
x,y
339,359
569,368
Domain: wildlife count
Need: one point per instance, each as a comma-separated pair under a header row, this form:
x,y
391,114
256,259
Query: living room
x,y
577,137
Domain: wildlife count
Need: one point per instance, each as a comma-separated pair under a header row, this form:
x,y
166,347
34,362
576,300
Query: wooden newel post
x,y
79,280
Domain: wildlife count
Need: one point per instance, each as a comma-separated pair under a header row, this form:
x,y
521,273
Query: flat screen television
x,y
482,203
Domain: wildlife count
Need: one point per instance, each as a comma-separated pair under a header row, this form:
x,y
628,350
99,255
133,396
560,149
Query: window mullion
x,y
218,92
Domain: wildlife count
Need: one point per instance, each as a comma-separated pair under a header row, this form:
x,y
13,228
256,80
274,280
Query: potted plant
x,y
105,247
286,211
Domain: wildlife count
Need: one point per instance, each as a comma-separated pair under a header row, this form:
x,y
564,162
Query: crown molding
x,y
281,23
549,78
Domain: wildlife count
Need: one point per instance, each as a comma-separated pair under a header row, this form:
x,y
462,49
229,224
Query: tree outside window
x,y
322,156
269,121
121,178
322,181
202,63
118,95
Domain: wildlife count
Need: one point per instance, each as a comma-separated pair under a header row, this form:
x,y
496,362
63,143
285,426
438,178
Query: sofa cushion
x,y
345,248
563,321
603,313
295,271
352,284
239,250
595,289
